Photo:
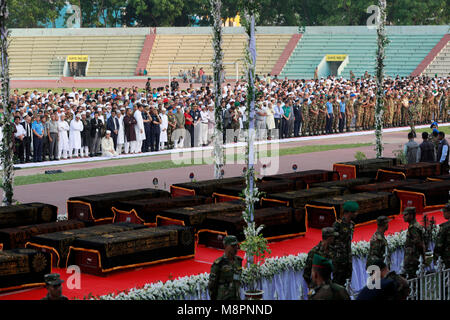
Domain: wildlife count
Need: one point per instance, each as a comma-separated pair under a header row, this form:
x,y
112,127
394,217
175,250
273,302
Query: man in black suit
x,y
28,137
297,118
113,125
19,135
96,134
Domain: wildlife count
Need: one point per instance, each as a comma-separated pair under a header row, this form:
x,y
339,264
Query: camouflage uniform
x,y
314,119
322,116
349,114
320,250
224,279
335,126
305,114
342,253
414,248
329,291
170,130
377,248
358,111
442,246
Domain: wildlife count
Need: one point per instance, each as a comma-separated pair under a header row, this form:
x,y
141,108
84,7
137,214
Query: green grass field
x,y
168,164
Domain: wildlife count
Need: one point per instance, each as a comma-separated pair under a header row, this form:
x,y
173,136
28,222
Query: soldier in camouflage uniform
x,y
225,276
305,113
171,127
324,288
414,244
349,111
358,111
372,104
342,249
378,242
314,118
322,249
322,115
53,284
442,246
335,126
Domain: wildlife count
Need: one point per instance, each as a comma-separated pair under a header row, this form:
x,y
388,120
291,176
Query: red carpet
x,y
124,280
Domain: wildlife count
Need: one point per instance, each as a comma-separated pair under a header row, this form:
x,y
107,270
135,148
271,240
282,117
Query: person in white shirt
x,y
163,126
121,134
63,142
203,126
108,146
76,126
18,138
139,129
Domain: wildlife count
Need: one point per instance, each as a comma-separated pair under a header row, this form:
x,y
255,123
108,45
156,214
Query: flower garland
x,y
197,285
379,108
217,64
7,144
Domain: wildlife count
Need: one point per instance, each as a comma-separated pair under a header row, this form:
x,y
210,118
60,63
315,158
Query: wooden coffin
x,y
267,187
26,214
17,237
362,168
413,170
20,268
148,209
439,178
108,252
195,216
435,192
299,198
58,243
277,221
203,188
304,178
371,205
97,207
347,184
387,186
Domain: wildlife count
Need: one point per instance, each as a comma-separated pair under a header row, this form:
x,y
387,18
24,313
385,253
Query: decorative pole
x,y
379,109
217,63
7,145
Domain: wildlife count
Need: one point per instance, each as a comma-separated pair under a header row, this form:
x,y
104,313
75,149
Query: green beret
x,y
382,220
321,262
351,206
52,279
230,241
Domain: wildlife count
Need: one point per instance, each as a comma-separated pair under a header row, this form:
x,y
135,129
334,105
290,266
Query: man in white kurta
x,y
139,129
63,139
204,126
108,146
76,126
163,126
121,134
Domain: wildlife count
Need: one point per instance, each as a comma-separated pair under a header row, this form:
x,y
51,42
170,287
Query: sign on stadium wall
x,y
77,58
336,57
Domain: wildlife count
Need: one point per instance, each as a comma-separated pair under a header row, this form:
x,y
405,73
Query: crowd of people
x,y
52,126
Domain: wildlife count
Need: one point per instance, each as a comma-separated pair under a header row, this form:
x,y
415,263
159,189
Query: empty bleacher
x,y
44,56
441,64
198,49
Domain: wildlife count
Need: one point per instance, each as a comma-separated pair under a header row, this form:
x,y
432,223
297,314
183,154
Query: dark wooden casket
x,y
148,209
277,221
299,198
304,178
323,212
26,214
387,186
96,208
362,168
203,188
439,178
263,186
135,248
430,193
408,171
347,183
20,268
58,243
195,216
17,237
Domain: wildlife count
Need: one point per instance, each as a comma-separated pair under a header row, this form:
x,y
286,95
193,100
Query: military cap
x,y
52,279
409,210
328,232
351,206
230,241
321,262
382,220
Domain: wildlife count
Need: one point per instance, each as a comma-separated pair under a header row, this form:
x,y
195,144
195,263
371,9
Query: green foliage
x,y
360,156
33,13
400,155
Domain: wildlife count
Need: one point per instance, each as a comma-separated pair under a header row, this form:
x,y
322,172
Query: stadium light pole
x,y
7,145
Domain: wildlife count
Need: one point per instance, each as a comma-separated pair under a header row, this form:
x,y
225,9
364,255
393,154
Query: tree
x,y
33,13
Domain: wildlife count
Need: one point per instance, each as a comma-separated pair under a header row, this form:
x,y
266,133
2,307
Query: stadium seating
x,y
198,49
441,64
37,57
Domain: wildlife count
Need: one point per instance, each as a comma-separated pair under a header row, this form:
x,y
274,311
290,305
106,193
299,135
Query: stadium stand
x,y
441,63
37,57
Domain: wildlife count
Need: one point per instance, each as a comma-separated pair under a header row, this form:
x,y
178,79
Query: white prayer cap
x,y
108,132
77,115
99,109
